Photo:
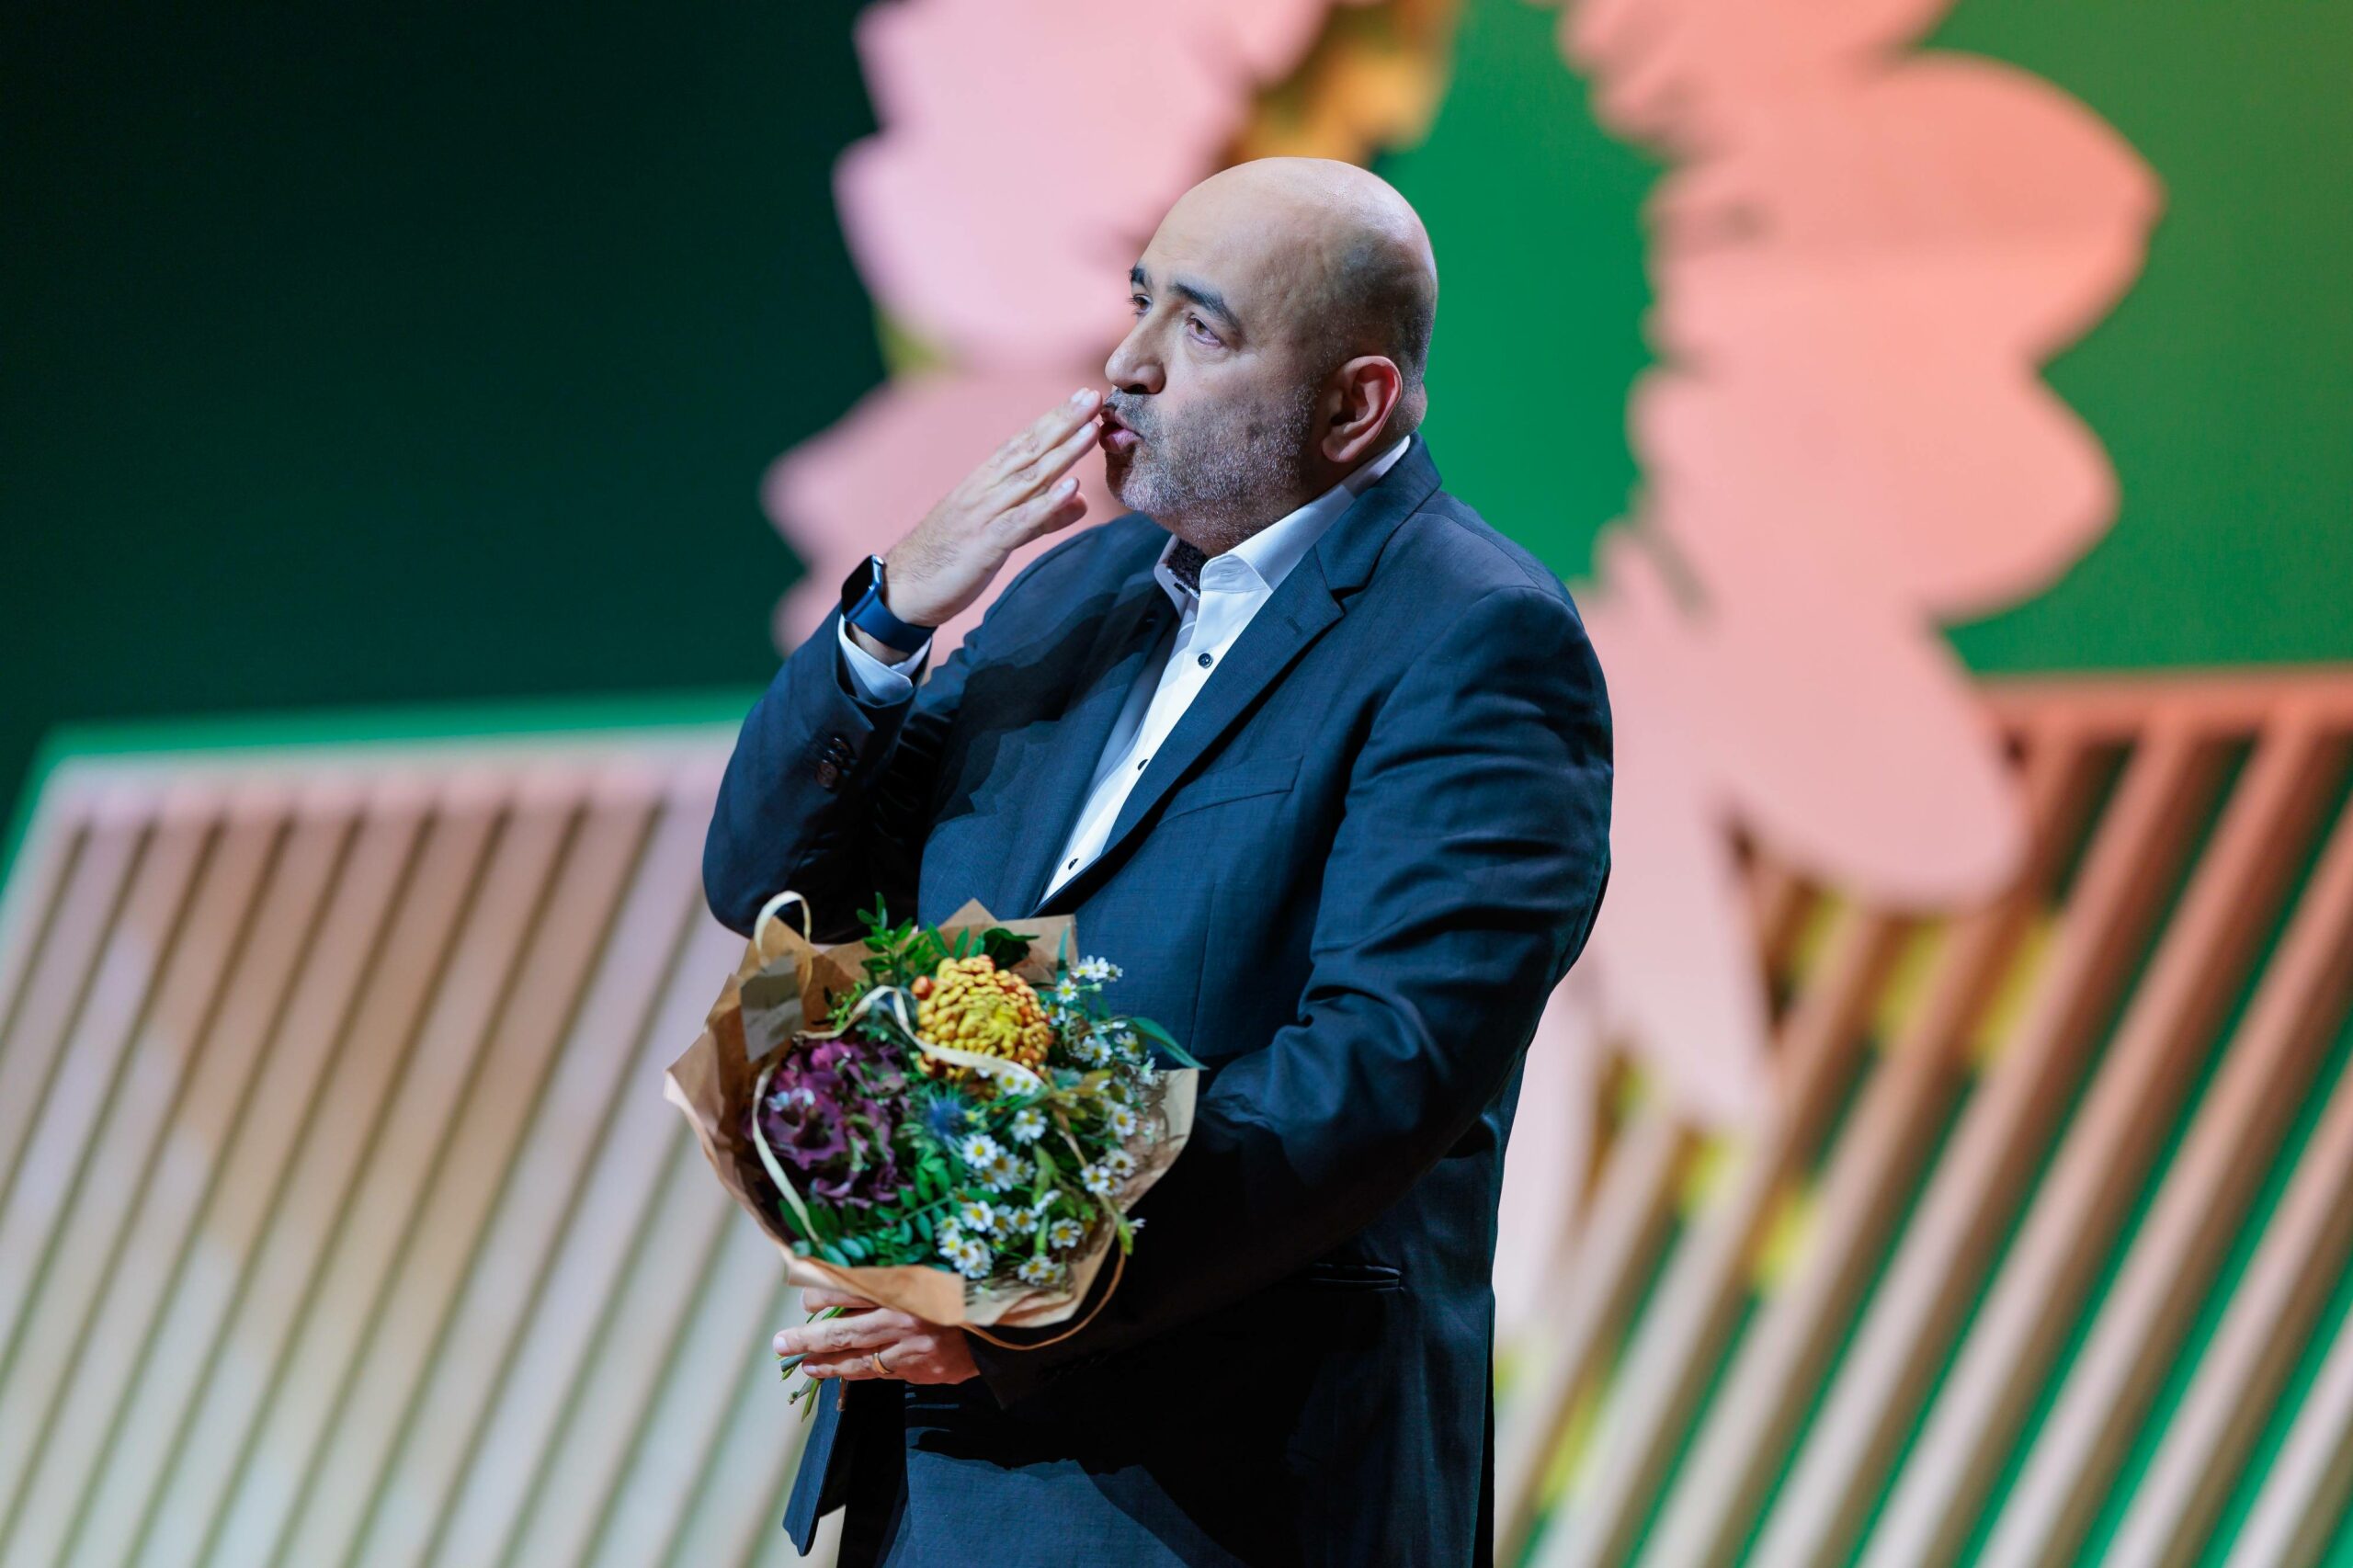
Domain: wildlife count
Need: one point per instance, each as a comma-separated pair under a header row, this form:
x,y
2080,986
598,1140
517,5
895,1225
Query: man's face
x,y
1209,425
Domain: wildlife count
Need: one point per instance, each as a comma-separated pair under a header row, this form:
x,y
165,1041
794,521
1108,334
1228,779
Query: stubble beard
x,y
1222,475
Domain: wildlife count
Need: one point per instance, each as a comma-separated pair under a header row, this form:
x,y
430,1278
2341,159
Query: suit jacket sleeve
x,y
1466,872
828,792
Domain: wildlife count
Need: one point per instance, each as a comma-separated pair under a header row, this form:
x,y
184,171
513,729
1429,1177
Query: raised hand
x,y
1023,490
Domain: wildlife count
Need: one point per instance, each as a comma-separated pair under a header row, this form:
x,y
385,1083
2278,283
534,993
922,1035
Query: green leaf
x,y
1168,1042
1004,949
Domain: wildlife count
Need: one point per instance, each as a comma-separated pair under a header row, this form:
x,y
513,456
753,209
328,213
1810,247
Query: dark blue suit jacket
x,y
1347,881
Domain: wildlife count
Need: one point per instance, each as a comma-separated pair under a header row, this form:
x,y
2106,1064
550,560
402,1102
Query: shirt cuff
x,y
877,682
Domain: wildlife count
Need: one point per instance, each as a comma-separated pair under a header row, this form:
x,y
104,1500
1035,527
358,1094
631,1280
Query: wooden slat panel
x,y
597,1251
190,1272
30,891
635,1340
1905,1328
137,954
1596,1289
2189,1225
1707,1279
2303,1249
2105,1152
295,1207
553,1348
416,1118
739,1497
1797,1327
607,1033
81,1225
1602,1263
2308,1488
2121,705
644,1513
479,1122
53,1001
81,912
193,1144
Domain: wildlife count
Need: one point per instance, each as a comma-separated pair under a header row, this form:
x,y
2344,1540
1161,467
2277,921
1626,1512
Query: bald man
x,y
1323,762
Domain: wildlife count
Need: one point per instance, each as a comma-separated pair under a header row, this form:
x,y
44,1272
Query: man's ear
x,y
1368,389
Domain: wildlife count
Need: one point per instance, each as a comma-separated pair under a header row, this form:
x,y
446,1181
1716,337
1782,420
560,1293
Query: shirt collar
x,y
1273,550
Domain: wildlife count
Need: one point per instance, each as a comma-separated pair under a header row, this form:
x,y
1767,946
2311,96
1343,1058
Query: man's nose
x,y
1131,366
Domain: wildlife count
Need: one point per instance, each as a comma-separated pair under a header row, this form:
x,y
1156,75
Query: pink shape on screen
x,y
1029,149
1860,259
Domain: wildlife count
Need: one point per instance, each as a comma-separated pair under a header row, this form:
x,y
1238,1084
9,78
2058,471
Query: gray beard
x,y
1222,477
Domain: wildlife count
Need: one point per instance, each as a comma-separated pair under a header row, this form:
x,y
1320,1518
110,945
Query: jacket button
x,y
829,776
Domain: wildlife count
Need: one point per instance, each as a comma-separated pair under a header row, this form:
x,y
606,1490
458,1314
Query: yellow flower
x,y
972,1004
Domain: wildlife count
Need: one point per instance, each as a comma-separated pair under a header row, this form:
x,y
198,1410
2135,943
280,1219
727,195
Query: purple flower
x,y
802,1120
822,1116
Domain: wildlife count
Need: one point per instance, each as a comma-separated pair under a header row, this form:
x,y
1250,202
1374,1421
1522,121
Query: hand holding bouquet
x,y
946,1120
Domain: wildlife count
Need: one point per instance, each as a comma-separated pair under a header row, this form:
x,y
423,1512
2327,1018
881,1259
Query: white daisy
x,y
1096,969
972,1260
1122,1121
1064,1234
1040,1271
1021,1221
952,1242
1098,1180
1002,1172
978,1150
1120,1163
977,1213
1029,1124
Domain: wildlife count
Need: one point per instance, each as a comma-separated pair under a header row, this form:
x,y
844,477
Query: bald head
x,y
1347,263
1282,323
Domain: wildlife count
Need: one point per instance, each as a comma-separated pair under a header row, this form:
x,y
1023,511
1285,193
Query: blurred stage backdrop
x,y
425,429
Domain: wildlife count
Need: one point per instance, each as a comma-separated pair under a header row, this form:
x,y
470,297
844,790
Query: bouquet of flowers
x,y
948,1120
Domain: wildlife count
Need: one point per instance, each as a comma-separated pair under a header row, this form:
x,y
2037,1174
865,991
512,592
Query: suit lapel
x,y
1140,614
1301,610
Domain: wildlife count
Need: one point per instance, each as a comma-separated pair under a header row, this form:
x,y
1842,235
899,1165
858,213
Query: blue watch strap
x,y
871,615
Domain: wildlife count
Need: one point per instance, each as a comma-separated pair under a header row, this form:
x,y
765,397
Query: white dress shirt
x,y
1234,585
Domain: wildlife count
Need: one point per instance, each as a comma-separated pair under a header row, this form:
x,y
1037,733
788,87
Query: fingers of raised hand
x,y
1049,430
1056,461
1057,506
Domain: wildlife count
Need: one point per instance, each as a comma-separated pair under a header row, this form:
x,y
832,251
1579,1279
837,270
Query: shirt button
x,y
1205,661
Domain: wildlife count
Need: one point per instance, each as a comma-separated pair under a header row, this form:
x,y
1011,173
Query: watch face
x,y
854,586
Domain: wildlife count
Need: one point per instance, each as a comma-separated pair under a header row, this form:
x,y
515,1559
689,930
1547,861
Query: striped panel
x,y
2055,1274
342,1220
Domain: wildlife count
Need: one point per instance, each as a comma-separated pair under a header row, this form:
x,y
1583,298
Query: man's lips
x,y
1117,439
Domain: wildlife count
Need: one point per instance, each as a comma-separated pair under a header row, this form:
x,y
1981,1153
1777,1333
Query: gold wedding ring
x,y
880,1370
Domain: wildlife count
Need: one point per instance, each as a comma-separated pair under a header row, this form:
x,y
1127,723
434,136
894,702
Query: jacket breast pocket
x,y
1332,1274
1270,775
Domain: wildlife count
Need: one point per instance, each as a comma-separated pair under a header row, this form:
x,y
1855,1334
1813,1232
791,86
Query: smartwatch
x,y
862,606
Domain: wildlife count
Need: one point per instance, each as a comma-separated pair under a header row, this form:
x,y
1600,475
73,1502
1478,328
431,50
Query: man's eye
x,y
1139,302
1195,323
